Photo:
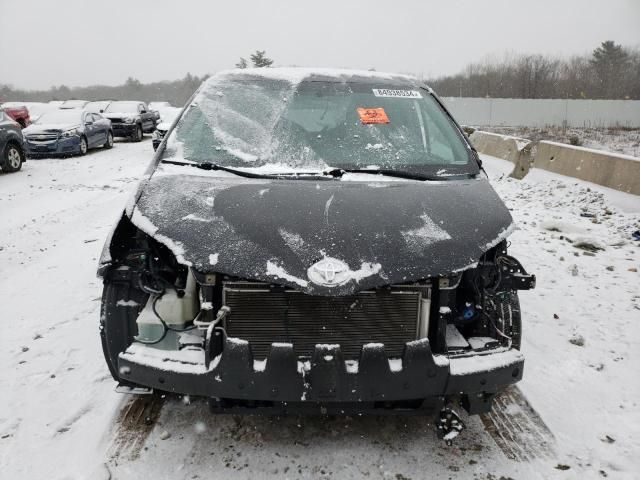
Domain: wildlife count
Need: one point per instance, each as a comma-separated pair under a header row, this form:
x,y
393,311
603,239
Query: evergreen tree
x,y
132,83
242,63
610,62
260,59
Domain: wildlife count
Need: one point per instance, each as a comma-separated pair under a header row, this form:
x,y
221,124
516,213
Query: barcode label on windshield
x,y
384,92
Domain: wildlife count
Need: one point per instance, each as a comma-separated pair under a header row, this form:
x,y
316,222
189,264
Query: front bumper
x,y
326,378
158,136
124,129
59,146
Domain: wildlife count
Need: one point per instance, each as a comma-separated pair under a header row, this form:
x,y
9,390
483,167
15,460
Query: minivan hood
x,y
275,230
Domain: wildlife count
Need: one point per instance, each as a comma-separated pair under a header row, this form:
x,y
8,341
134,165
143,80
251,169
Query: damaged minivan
x,y
314,241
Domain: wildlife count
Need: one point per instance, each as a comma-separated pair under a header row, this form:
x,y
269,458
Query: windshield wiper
x,y
243,173
324,175
339,172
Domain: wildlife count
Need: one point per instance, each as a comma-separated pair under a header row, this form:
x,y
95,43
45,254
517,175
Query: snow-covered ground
x,y
588,395
59,415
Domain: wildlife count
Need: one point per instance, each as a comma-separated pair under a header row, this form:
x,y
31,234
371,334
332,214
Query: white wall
x,y
517,112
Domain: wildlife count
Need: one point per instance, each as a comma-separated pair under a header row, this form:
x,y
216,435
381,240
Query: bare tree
x,y
611,72
176,92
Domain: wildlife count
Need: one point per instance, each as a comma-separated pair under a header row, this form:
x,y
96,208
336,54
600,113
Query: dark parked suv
x,y
131,119
11,144
319,241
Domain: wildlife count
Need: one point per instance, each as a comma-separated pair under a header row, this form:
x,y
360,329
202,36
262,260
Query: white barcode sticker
x,y
385,92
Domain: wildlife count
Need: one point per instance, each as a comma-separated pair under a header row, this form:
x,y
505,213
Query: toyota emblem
x,y
329,272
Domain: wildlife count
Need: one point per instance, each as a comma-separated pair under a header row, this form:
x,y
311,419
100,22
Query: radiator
x,y
262,314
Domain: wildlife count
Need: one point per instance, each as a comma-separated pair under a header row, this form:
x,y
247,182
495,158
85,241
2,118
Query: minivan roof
x,y
298,74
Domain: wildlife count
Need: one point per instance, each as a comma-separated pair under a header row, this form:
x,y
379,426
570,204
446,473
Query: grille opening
x,y
263,314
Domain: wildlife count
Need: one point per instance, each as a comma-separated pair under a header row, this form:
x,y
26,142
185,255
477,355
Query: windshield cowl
x,y
275,172
252,172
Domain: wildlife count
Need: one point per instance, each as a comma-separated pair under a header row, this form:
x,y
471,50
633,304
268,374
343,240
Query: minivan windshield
x,y
252,121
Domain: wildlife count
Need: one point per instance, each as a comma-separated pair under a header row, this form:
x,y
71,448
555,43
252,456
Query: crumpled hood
x,y
275,230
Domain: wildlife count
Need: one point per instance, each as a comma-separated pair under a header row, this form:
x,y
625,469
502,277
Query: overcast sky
x,y
82,42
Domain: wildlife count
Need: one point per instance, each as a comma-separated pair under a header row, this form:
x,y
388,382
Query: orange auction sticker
x,y
372,115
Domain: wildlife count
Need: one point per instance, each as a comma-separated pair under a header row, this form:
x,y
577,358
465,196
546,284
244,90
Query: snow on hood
x,y
169,114
276,230
119,114
45,127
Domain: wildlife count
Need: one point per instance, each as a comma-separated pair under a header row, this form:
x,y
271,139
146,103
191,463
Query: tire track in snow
x,y
133,425
517,428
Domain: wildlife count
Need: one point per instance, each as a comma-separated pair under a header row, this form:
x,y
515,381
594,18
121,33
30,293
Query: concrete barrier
x,y
514,149
613,170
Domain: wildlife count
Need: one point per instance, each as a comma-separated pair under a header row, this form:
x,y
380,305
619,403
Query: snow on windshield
x,y
230,121
298,118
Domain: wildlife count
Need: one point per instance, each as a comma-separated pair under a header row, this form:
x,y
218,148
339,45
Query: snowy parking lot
x,y
61,419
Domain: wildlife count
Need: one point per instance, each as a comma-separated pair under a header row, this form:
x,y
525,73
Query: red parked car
x,y
18,112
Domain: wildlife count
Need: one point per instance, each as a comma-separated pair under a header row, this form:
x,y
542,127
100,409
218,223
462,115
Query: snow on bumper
x,y
325,378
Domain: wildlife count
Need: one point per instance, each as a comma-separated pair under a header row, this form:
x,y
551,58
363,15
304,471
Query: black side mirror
x,y
143,111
